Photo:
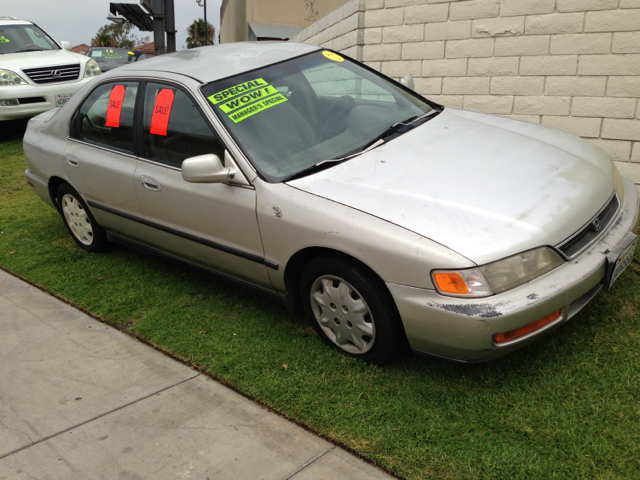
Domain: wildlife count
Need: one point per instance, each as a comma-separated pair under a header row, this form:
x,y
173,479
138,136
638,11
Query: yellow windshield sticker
x,y
333,56
250,97
108,53
229,93
4,40
260,106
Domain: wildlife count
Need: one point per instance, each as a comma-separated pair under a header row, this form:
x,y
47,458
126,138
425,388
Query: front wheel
x,y
351,309
79,221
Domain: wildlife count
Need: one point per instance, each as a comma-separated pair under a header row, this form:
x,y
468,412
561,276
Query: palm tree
x,y
196,36
103,39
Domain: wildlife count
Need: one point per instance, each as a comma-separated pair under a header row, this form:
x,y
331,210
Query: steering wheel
x,y
29,45
334,119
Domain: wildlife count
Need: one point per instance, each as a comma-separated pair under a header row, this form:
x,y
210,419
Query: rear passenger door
x,y
209,224
99,156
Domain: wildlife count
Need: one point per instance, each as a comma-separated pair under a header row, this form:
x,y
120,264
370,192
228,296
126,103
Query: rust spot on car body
x,y
481,310
277,212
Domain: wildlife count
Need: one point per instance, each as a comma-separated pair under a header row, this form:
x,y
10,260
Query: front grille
x,y
587,234
54,74
26,100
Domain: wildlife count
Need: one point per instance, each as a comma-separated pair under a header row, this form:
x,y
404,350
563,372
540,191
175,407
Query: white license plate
x,y
62,99
623,262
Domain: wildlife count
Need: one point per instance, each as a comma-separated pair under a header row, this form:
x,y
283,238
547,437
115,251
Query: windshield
x,y
296,114
24,38
119,55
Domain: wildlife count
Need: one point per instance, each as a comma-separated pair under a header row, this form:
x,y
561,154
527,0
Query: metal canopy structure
x,y
134,14
157,17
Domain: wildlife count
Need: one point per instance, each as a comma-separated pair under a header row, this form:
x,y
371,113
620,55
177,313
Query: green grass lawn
x,y
567,406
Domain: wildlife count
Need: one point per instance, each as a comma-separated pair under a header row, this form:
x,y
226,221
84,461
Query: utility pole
x,y
158,26
170,25
206,37
163,15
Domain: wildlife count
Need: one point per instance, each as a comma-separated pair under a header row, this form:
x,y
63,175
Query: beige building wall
x,y
567,64
342,30
233,25
238,13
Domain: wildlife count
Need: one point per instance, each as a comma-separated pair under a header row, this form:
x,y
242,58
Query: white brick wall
x,y
567,64
344,29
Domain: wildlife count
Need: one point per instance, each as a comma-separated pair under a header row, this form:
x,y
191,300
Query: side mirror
x,y
408,82
66,45
206,169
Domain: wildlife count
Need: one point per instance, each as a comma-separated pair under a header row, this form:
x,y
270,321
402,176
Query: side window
x,y
174,128
106,116
334,81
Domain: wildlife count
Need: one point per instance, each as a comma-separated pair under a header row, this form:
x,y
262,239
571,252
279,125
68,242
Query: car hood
x,y
484,186
46,58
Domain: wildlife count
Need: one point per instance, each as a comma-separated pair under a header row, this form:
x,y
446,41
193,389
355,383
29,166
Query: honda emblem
x,y
596,225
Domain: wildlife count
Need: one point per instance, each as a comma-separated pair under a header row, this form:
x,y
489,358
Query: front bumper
x,y
463,329
47,93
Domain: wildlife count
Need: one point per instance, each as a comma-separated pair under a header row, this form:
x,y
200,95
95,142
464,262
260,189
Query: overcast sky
x,y
77,21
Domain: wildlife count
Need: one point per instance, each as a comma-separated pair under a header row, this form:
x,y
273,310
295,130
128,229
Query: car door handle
x,y
73,161
150,183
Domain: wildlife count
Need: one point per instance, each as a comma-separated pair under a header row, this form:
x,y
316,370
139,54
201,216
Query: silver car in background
x,y
390,221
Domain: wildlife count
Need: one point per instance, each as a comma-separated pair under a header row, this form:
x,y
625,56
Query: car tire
x,y
351,309
78,219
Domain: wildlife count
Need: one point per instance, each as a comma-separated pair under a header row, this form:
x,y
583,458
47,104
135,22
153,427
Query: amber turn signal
x,y
451,282
519,332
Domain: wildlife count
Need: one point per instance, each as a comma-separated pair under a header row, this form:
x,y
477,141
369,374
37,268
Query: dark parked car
x,y
110,58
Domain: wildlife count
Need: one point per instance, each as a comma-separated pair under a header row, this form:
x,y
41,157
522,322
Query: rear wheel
x,y
79,221
351,309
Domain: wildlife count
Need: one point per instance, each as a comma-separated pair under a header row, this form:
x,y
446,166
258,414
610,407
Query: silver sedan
x,y
388,220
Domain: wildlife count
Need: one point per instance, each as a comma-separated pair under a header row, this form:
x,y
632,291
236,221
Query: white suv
x,y
36,72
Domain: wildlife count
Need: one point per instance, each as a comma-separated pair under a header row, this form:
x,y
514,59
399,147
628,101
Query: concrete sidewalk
x,y
81,400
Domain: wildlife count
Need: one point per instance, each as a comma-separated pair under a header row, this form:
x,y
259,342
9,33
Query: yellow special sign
x,y
257,108
229,93
252,96
333,56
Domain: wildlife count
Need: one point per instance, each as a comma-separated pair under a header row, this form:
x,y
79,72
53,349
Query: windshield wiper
x,y
326,163
409,122
30,50
376,142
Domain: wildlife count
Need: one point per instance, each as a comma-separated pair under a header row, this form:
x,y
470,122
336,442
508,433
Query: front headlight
x,y
9,78
498,276
91,69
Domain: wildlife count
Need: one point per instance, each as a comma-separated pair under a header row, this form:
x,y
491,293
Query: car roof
x,y
207,64
4,21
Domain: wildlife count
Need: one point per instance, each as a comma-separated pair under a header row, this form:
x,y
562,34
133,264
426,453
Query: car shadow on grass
x,y
13,129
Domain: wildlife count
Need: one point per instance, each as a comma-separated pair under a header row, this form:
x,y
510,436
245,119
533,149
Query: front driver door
x,y
210,224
